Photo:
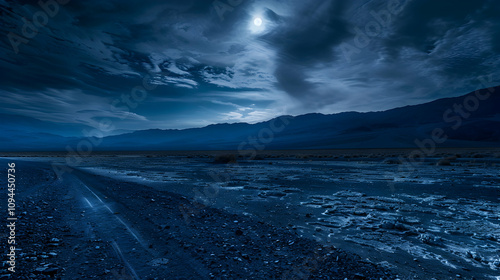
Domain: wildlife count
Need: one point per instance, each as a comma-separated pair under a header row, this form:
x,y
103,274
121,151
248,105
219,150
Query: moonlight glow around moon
x,y
257,21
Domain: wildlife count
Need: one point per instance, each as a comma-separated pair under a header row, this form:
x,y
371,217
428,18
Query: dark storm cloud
x,y
306,38
310,35
459,26
210,63
424,23
457,40
429,50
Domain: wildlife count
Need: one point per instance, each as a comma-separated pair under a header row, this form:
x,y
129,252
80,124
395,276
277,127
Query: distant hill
x,y
467,121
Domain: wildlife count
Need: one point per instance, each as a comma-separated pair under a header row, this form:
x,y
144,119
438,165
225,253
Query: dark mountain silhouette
x,y
472,120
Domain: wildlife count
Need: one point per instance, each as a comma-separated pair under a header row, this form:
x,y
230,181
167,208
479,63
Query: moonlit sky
x,y
212,64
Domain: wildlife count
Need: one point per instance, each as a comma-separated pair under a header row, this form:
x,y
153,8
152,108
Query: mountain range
x,y
471,120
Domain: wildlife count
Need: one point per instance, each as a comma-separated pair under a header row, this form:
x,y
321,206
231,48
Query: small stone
x,y
50,271
40,269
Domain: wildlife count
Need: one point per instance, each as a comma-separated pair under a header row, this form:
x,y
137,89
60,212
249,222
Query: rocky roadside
x,y
47,247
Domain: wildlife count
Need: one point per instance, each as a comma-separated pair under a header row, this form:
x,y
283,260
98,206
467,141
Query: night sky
x,y
180,64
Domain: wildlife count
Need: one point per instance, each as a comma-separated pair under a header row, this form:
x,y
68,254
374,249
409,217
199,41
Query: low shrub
x,y
228,158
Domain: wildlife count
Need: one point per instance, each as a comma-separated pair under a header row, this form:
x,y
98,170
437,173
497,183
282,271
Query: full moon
x,y
257,21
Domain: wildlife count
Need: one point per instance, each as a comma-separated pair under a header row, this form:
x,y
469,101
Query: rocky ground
x,y
85,226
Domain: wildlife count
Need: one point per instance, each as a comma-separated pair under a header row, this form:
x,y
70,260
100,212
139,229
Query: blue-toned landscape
x,y
235,139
